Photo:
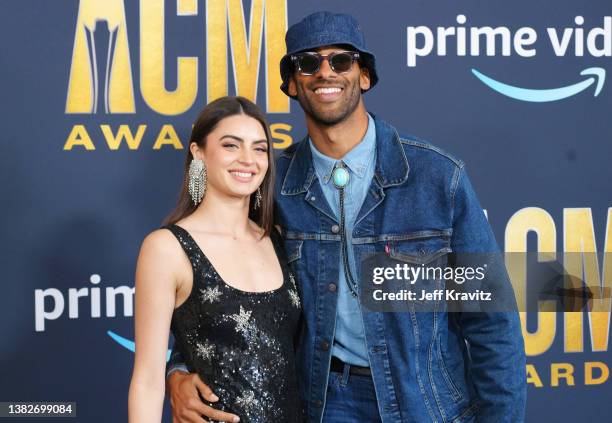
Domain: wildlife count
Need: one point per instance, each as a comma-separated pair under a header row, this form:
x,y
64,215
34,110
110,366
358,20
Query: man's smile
x,y
328,93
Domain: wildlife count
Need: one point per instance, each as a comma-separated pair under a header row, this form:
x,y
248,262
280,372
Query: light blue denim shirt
x,y
349,337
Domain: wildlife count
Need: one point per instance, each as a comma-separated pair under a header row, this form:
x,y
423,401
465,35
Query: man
x,y
354,187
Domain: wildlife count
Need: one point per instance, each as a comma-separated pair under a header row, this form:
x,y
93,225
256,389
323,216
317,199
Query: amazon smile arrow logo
x,y
597,77
127,344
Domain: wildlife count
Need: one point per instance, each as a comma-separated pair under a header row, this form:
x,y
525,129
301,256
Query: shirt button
x,y
335,229
325,345
332,287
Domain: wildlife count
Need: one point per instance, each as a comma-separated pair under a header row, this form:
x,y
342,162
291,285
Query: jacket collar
x,y
391,163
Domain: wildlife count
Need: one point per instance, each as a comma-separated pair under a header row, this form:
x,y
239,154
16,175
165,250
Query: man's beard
x,y
332,117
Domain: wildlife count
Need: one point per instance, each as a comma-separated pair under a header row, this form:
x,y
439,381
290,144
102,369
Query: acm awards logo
x,y
101,68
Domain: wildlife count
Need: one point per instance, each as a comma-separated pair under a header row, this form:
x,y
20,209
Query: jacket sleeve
x,y
494,338
176,363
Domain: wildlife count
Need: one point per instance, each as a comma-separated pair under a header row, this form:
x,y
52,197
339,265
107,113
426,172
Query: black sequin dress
x,y
239,342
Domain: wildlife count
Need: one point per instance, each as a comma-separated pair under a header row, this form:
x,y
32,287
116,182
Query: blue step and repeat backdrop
x,y
98,98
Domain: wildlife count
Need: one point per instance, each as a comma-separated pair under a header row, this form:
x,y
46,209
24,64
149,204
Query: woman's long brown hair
x,y
206,122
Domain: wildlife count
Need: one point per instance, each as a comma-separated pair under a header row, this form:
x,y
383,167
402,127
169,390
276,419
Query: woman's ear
x,y
196,151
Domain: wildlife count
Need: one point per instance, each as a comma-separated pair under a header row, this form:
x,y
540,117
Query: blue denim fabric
x,y
349,336
350,399
176,363
420,202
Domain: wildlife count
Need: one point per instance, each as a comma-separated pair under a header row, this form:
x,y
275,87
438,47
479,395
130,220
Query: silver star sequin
x,y
205,350
210,295
246,400
295,298
242,320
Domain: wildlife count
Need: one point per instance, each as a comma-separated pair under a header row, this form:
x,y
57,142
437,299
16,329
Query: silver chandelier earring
x,y
197,180
257,199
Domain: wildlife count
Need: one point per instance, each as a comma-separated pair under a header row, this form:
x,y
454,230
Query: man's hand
x,y
187,407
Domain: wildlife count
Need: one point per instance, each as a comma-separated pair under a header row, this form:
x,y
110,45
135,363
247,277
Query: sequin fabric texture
x,y
241,343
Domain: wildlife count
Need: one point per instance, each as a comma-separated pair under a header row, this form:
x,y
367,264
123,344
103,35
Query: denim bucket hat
x,y
323,29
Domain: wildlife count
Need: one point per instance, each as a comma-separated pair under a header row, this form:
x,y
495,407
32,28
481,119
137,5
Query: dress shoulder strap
x,y
190,247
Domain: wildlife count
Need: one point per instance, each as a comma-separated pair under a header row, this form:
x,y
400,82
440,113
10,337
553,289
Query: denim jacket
x,y
420,203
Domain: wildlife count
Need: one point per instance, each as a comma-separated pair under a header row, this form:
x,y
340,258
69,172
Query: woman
x,y
216,276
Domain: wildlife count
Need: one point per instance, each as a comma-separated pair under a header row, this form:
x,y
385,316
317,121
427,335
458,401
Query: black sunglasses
x,y
309,63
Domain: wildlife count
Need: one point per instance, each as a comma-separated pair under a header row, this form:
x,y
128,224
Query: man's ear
x,y
291,86
364,79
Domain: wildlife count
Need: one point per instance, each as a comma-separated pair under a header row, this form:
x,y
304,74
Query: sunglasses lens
x,y
308,63
341,62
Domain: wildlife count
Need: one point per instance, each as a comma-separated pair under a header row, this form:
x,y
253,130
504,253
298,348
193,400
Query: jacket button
x,y
332,287
325,345
318,403
335,229
390,407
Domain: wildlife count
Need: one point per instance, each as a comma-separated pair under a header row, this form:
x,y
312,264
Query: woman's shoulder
x,y
161,262
161,242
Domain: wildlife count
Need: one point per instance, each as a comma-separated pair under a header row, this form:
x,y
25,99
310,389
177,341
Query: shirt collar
x,y
391,164
357,159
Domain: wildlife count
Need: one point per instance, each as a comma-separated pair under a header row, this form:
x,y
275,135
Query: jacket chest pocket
x,y
294,250
422,249
423,266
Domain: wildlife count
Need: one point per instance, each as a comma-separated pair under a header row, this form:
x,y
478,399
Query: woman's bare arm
x,y
156,287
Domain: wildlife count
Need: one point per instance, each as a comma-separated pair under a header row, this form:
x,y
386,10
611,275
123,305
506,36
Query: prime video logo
x,y
50,304
474,41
